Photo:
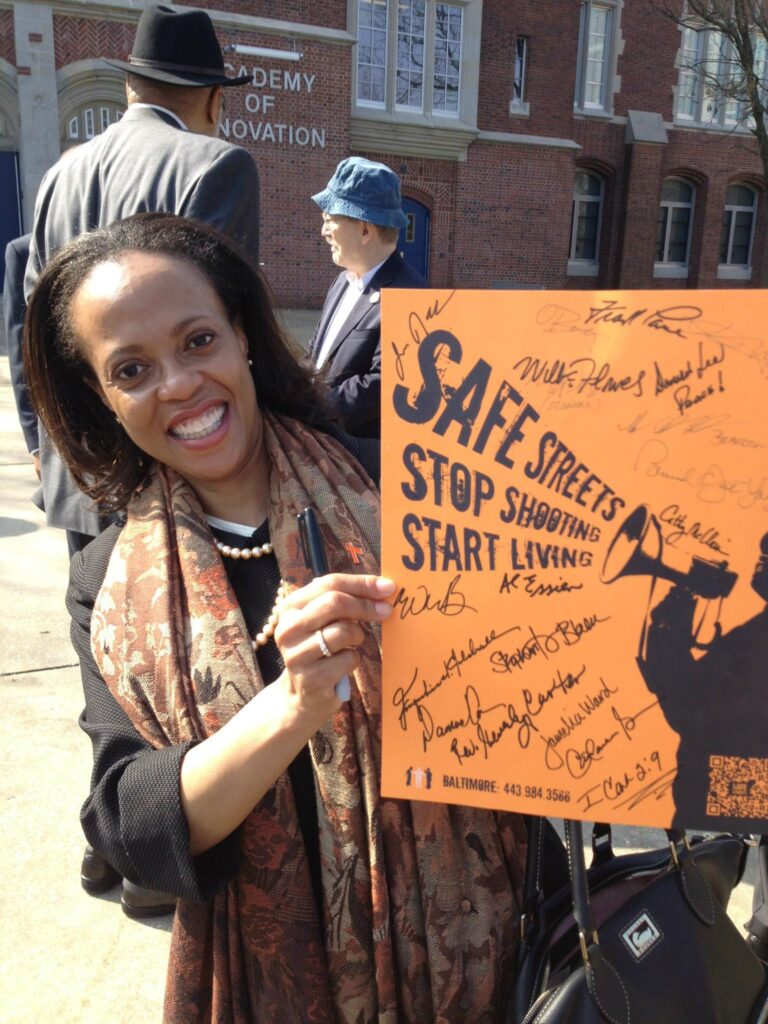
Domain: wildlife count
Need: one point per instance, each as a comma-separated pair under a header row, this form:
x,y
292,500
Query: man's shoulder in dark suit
x,y
396,272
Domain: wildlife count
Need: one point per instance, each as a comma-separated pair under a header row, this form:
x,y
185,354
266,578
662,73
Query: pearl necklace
x,y
228,551
267,630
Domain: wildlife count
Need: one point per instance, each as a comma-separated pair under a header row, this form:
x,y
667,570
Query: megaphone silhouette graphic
x,y
637,550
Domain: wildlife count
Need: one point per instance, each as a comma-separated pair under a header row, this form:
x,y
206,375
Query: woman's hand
x,y
320,630
226,775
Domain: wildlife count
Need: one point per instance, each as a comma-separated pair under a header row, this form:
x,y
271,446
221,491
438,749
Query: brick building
x,y
558,144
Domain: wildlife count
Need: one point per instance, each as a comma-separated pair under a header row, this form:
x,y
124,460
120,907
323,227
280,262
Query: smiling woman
x,y
226,769
173,369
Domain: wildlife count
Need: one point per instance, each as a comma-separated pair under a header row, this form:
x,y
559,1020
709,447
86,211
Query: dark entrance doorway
x,y
10,205
413,242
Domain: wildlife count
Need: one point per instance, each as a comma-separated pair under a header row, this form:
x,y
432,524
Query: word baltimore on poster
x,y
575,511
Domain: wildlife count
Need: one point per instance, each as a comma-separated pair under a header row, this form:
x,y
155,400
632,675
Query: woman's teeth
x,y
200,426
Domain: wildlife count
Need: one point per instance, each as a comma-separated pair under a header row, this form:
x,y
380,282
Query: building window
x,y
738,232
595,57
519,105
521,64
409,56
409,75
83,124
586,218
673,233
447,73
371,52
710,89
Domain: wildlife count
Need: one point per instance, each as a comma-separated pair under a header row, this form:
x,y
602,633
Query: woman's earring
x,y
250,362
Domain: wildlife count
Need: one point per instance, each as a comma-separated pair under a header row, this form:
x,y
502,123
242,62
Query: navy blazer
x,y
353,367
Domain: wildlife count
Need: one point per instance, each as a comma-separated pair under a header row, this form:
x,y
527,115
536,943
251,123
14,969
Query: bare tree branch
x,y
730,68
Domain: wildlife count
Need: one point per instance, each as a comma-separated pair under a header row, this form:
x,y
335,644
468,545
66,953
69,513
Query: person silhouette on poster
x,y
716,703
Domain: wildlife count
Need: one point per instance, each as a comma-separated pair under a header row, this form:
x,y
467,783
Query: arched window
x,y
91,97
673,233
586,218
91,119
738,227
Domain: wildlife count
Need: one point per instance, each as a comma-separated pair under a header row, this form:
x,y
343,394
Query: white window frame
x,y
376,104
428,111
739,271
704,54
437,109
605,104
519,105
578,267
664,267
86,120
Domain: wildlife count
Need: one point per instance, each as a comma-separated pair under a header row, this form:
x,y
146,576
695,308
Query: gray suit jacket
x,y
144,162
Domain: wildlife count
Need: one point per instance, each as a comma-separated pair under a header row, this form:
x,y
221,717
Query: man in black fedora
x,y
162,156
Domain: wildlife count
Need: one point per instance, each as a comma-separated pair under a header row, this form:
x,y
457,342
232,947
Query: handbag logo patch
x,y
641,936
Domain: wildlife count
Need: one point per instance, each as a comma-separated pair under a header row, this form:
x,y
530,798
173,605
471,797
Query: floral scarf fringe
x,y
420,900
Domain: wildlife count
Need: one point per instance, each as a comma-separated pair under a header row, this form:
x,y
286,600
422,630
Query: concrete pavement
x,y
68,957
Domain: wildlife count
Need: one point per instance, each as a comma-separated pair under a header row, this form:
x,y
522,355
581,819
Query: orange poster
x,y
575,511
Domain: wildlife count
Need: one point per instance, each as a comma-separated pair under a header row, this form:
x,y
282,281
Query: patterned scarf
x,y
420,900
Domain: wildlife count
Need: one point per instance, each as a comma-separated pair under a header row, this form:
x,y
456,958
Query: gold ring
x,y
325,650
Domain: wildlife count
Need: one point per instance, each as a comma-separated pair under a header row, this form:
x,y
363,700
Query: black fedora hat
x,y
178,48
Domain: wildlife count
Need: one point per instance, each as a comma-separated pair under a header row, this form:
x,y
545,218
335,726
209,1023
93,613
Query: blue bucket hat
x,y
364,190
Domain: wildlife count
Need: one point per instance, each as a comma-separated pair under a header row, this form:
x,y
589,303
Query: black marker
x,y
314,557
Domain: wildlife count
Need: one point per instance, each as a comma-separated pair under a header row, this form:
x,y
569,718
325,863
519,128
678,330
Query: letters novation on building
x,y
564,144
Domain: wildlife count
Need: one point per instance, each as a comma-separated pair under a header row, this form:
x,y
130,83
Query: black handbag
x,y
638,939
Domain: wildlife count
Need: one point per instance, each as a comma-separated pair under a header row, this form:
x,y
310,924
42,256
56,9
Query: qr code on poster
x,y
738,787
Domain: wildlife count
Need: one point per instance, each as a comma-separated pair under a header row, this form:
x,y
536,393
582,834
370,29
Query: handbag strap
x,y
549,866
582,908
694,886
546,867
534,888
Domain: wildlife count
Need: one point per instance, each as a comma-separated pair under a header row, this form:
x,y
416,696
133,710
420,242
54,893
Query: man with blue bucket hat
x,y
362,218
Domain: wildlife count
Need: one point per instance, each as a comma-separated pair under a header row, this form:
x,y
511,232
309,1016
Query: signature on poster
x,y
671,320
708,536
710,484
722,428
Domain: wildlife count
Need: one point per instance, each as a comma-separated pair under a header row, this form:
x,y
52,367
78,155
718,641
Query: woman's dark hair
x,y
104,461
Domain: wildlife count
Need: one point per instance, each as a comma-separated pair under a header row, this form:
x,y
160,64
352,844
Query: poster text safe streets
x,y
575,510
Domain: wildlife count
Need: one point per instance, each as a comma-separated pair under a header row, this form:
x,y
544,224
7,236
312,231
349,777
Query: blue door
x,y
10,205
414,237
